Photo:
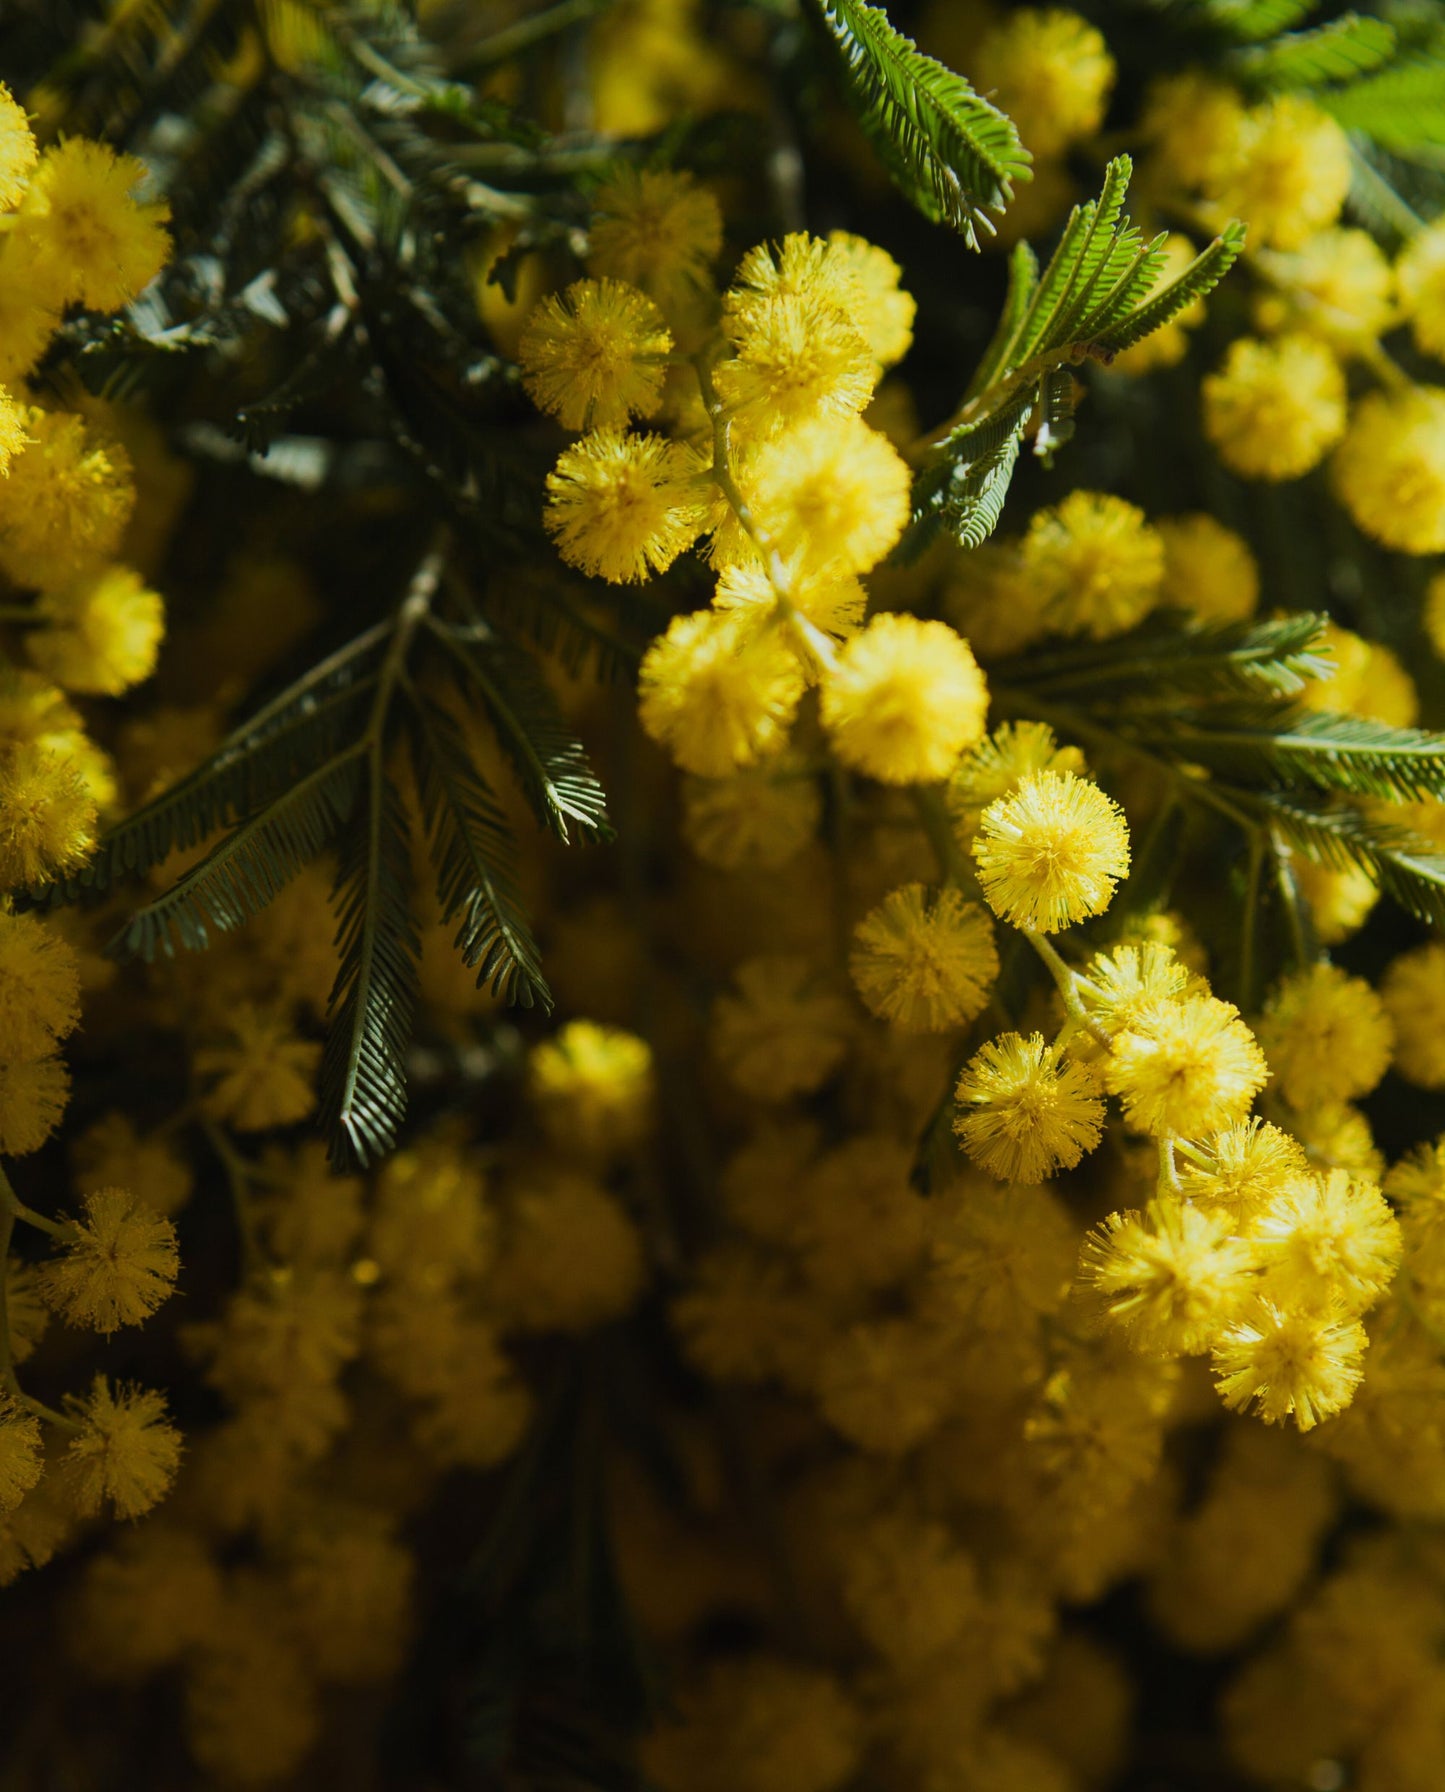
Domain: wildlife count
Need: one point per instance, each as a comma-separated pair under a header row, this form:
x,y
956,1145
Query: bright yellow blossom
x,y
1025,1111
903,700
596,356
924,962
1052,852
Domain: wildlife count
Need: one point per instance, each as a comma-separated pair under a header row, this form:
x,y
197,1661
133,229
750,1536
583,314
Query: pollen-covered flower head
x,y
1025,1110
785,1030
1186,1068
1325,1242
1389,471
1051,71
1242,1168
33,1094
102,631
1275,409
1289,1364
258,1073
656,229
718,691
118,1265
1208,569
924,960
883,311
1289,174
1338,285
1420,279
830,601
596,355
81,230
29,318
1171,1277
1192,123
829,495
1096,562
66,501
39,986
1326,1035
1052,852
1123,983
794,360
903,700
22,1458
993,769
47,816
1413,991
621,507
126,1453
18,154
14,431
760,817
593,1087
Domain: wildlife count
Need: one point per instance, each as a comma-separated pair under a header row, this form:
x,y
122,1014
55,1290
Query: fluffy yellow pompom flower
x,y
66,501
103,632
761,1723
1338,285
798,267
593,1087
21,1455
657,230
596,355
572,1258
1208,569
1096,562
785,1031
903,700
1389,471
117,1267
18,154
28,319
1413,991
126,1453
1276,408
760,817
1192,124
795,360
993,769
33,1094
1326,1241
14,433
1052,852
1304,1366
718,692
884,312
1420,278
1186,1068
1172,1277
1340,898
1240,1169
623,506
831,494
1126,981
47,816
1051,71
39,987
260,1073
81,231
1025,1110
924,961
1289,175
1327,1037
831,601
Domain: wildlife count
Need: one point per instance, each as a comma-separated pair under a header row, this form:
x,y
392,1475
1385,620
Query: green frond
x,y
550,762
950,152
1402,108
1198,280
473,855
1285,749
363,1068
1339,50
249,868
1409,870
310,722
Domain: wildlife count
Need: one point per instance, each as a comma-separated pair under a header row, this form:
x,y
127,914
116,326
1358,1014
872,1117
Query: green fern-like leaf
x,y
1401,108
363,1068
1197,281
1410,871
1340,50
953,154
472,851
249,868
